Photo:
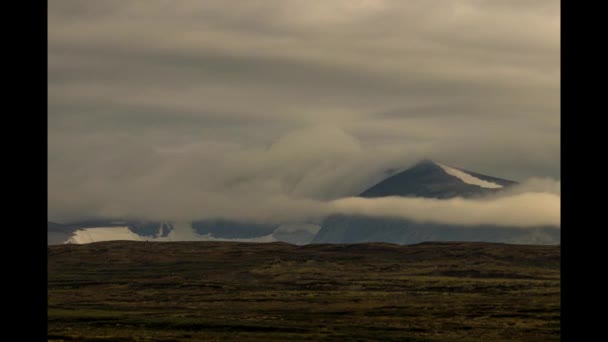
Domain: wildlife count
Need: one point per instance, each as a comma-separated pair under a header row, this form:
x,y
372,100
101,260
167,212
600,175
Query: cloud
x,y
177,192
127,177
202,108
520,210
535,184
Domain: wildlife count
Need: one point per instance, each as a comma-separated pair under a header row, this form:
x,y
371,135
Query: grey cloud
x,y
300,178
519,210
189,105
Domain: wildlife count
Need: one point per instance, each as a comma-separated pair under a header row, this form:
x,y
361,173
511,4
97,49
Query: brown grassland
x,y
226,291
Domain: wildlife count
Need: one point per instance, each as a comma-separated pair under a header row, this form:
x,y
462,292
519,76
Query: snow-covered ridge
x,y
181,233
467,178
88,235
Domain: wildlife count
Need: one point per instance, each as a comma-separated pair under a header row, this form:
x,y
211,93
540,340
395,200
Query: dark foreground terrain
x,y
222,291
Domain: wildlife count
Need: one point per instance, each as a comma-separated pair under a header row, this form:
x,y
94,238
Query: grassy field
x,y
222,291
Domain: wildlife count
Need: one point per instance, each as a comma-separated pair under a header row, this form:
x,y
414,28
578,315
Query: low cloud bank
x,y
518,210
514,208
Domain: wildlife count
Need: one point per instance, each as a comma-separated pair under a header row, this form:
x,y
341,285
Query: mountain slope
x,y
433,180
429,180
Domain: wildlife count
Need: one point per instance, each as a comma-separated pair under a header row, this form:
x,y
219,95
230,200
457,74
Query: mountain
x,y
228,229
434,180
58,233
205,230
429,179
105,230
426,179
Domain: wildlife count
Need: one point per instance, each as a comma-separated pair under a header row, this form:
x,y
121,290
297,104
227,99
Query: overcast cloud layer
x,y
183,107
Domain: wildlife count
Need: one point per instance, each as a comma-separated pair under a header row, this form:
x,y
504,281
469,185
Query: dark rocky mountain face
x,y
357,229
58,233
429,180
151,229
228,229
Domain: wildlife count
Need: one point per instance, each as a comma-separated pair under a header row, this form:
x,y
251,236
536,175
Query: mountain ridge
x,y
429,179
425,179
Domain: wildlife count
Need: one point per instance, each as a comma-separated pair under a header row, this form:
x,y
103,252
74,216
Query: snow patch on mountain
x,y
181,232
97,234
467,178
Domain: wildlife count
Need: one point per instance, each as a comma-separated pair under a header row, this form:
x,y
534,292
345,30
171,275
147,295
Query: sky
x,y
263,108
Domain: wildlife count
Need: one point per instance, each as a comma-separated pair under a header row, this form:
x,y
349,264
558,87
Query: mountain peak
x,y
430,179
